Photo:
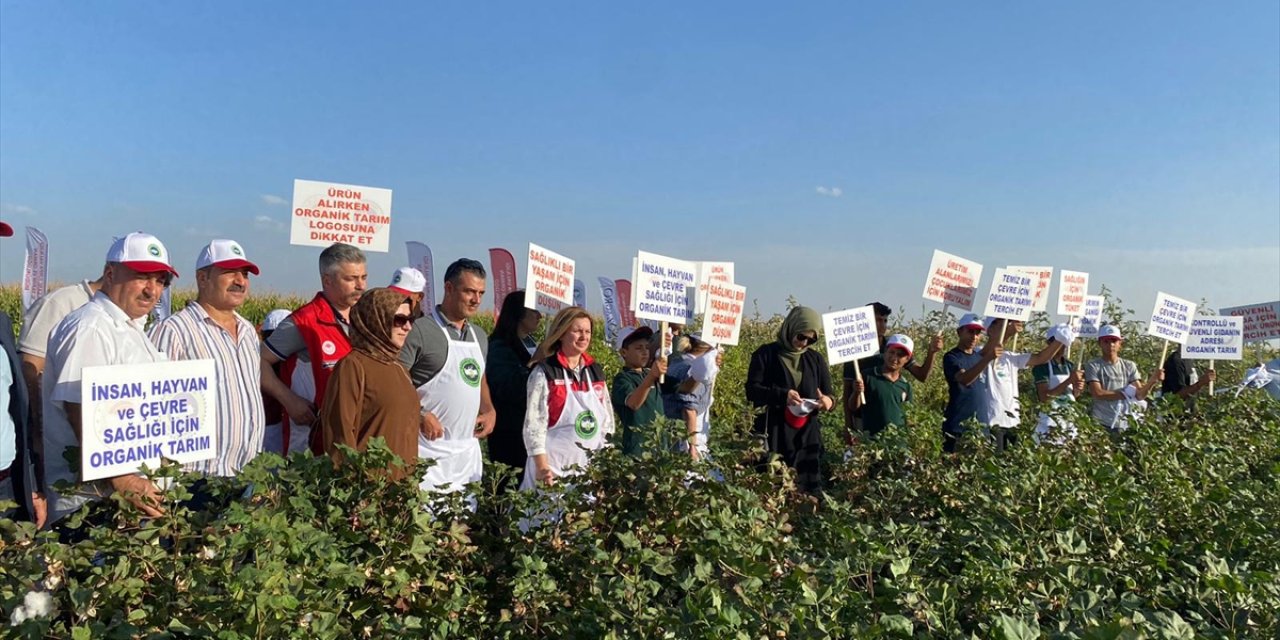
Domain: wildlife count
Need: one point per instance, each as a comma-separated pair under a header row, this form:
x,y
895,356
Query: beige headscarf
x,y
371,323
799,320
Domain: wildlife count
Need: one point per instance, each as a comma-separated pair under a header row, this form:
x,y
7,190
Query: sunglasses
x,y
401,320
807,340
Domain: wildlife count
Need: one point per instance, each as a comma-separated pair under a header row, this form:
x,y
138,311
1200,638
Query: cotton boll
x,y
39,604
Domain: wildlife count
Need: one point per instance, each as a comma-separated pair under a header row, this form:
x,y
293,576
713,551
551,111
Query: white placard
x,y
549,280
136,414
1011,297
722,321
1261,321
665,288
328,212
709,272
1215,338
1073,286
952,280
1089,322
850,334
1042,278
1171,318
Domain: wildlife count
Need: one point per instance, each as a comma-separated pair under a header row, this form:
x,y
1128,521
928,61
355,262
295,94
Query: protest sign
x,y
1011,297
665,289
612,313
1089,322
1041,278
952,280
1261,321
328,212
1171,319
850,334
420,259
722,321
502,266
625,309
709,272
1073,286
136,414
549,280
35,267
1215,338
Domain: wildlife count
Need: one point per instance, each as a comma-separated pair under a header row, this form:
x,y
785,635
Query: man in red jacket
x,y
311,341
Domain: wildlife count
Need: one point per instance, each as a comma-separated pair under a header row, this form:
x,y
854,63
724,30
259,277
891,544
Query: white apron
x,y
579,424
453,397
1048,423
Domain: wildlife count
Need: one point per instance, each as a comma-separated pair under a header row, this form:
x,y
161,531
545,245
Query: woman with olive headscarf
x,y
793,383
369,394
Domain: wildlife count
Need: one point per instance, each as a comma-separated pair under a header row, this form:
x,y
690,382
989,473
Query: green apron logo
x,y
585,426
470,370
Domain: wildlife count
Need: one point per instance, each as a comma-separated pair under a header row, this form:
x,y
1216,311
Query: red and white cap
x,y
408,281
141,252
227,254
970,320
902,342
5,230
1109,331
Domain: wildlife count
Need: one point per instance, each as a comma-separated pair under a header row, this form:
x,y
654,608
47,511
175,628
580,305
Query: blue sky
x,y
825,148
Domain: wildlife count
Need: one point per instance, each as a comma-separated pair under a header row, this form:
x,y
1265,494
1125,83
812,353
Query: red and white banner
x,y
35,267
502,267
623,287
420,259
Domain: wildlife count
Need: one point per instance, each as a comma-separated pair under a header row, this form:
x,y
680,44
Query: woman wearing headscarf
x,y
792,382
568,410
510,349
369,394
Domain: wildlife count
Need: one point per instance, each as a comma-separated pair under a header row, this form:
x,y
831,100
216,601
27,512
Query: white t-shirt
x,y
98,333
999,391
45,314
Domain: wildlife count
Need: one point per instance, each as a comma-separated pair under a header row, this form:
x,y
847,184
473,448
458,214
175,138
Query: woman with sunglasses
x,y
369,394
792,382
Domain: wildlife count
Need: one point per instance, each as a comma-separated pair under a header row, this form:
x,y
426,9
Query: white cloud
x,y
830,192
267,223
10,209
274,200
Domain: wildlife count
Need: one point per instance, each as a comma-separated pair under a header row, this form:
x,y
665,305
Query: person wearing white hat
x,y
1115,383
1058,384
108,330
210,328
410,282
273,434
999,409
883,392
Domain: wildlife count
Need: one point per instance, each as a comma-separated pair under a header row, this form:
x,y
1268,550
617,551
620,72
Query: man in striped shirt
x,y
210,329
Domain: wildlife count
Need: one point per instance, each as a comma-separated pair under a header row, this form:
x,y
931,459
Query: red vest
x,y
326,345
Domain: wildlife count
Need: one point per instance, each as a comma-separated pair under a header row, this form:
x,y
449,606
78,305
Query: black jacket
x,y
23,468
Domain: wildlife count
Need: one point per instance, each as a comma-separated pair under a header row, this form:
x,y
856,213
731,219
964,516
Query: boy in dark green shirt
x,y
636,399
883,391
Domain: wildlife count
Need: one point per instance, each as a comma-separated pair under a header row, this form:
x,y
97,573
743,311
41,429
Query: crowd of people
x,y
357,363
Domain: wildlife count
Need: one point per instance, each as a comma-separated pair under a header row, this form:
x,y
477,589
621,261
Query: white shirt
x,y
999,391
98,333
45,314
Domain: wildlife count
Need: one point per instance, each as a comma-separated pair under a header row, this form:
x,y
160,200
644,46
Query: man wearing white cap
x,y
1114,383
108,330
410,282
210,329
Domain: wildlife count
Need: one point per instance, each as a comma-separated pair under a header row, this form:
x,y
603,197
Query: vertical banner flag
x,y
952,280
623,287
136,414
328,212
420,259
850,334
612,315
1261,321
35,267
1215,338
709,272
666,288
164,306
1073,286
634,265
1041,278
1171,318
579,293
1011,297
1089,322
503,269
722,320
548,280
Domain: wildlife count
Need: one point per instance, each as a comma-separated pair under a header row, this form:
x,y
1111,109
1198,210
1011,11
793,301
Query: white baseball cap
x,y
641,333
274,318
227,254
972,320
1109,331
141,252
408,281
902,342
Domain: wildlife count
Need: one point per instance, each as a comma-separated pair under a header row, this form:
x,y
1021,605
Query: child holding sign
x,y
1114,383
998,407
635,394
884,389
1058,384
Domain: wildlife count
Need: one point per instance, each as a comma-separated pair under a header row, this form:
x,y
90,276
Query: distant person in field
x,y
17,460
210,328
445,355
1058,384
962,366
310,342
412,283
1115,383
883,393
998,407
369,395
1179,381
273,411
852,416
511,348
791,381
637,401
109,330
567,412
